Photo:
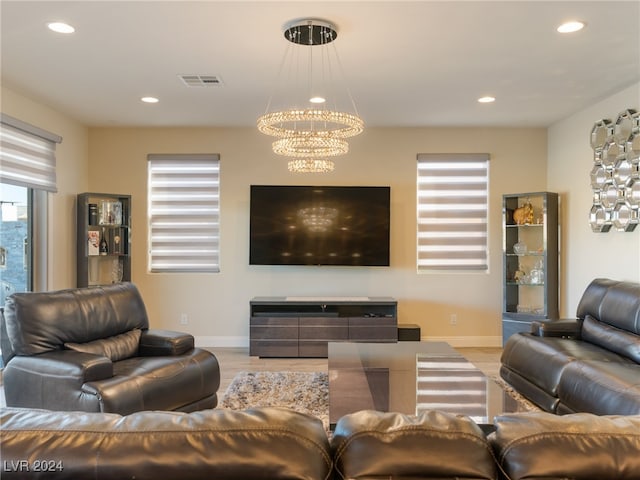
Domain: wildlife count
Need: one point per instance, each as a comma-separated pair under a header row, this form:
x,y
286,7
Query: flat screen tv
x,y
315,225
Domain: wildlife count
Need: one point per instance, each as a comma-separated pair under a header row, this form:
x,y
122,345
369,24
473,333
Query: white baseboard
x,y
467,341
203,341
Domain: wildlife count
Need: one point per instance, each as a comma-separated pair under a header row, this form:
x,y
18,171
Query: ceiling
x,y
408,64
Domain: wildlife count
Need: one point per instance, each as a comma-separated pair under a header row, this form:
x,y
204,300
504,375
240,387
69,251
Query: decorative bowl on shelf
x,y
520,248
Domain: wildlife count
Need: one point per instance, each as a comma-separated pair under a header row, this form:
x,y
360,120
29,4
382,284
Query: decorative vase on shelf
x,y
116,270
520,248
537,274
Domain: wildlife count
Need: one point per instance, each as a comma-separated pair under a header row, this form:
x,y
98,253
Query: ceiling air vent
x,y
201,80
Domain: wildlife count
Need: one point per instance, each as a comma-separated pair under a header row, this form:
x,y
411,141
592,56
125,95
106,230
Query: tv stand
x,y
303,326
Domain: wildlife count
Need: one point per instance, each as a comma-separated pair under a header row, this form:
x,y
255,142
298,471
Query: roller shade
x,y
184,213
452,205
27,155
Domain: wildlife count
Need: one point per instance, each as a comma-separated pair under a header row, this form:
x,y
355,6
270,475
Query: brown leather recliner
x,y
91,350
587,364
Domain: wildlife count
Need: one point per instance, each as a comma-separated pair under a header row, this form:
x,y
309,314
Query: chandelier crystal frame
x,y
311,134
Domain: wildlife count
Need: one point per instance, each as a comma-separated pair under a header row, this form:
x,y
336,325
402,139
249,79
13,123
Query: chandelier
x,y
315,129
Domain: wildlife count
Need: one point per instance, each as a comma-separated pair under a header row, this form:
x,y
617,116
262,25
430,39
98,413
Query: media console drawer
x,y
373,329
282,327
271,336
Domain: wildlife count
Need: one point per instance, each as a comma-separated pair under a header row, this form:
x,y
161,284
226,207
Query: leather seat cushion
x,y
601,387
611,338
542,360
157,383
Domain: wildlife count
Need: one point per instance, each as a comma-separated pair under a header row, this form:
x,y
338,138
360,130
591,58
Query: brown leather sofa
x,y
91,349
278,444
588,364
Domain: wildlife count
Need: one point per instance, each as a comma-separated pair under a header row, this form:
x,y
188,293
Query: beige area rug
x,y
302,392
524,404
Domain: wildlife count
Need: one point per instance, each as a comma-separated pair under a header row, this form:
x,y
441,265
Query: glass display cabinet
x,y
530,260
103,239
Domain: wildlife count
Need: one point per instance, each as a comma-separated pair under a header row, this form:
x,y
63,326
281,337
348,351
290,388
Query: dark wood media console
x,y
302,326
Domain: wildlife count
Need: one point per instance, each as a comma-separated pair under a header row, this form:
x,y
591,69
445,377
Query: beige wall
x,y
218,304
72,178
587,255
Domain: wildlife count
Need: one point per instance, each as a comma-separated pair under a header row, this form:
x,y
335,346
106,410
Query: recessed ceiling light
x,y
487,99
149,100
317,100
60,27
570,27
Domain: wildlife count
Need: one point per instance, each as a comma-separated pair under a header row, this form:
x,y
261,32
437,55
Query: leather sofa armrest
x,y
154,343
564,328
86,367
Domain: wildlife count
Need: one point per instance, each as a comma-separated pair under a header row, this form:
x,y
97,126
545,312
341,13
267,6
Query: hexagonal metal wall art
x,y
621,172
601,130
610,196
597,156
632,194
635,122
624,125
615,175
611,151
624,218
600,176
632,147
599,219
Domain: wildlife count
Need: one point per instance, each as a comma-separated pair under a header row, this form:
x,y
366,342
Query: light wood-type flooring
x,y
235,360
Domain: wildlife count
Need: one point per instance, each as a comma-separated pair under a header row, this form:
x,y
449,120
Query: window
x,y
184,213
452,203
27,174
28,155
15,255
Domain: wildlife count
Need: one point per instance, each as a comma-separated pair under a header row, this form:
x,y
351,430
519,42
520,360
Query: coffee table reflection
x,y
410,377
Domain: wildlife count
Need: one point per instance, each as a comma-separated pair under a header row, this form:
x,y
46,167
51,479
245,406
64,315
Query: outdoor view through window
x,y
14,241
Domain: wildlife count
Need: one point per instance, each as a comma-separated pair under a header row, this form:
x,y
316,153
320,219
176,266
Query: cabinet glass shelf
x,y
529,252
103,216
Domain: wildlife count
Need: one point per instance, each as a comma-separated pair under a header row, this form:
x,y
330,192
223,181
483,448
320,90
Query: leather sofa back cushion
x,y
269,443
44,321
370,444
579,446
611,338
592,297
612,302
114,348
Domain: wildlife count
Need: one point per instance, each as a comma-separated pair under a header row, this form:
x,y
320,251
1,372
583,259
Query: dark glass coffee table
x,y
411,377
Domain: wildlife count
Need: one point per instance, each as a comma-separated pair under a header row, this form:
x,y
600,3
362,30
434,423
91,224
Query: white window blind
x,y
27,155
452,204
184,213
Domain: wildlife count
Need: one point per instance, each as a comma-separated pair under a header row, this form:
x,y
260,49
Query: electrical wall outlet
x,y
453,319
184,319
